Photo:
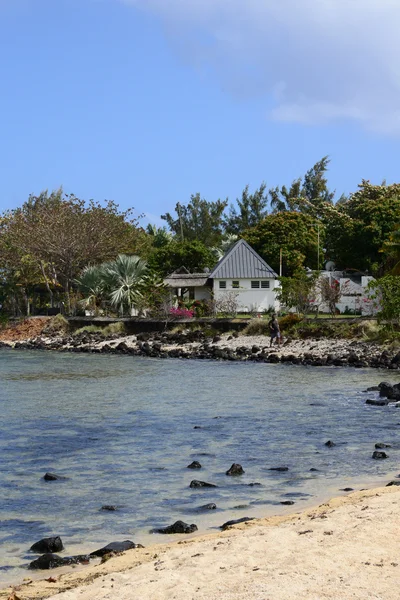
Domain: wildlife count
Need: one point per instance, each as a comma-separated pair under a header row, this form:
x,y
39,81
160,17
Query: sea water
x,y
123,429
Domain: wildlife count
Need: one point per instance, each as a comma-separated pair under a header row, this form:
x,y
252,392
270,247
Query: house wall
x,y
249,299
355,296
202,293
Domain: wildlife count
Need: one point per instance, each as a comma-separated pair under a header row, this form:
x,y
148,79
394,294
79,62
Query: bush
x,y
288,321
108,330
181,313
257,327
57,325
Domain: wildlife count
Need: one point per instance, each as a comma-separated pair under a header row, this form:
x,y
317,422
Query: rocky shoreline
x,y
233,347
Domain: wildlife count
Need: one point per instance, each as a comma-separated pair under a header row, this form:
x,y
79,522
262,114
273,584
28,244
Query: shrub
x,y
181,313
257,327
58,325
288,321
110,329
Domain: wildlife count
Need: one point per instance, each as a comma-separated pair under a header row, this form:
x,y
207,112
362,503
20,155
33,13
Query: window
x,y
235,285
255,285
222,285
265,285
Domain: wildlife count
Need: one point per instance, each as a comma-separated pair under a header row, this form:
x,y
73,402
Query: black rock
x,y
254,484
346,489
210,506
194,465
197,427
376,402
279,469
116,547
287,502
48,545
393,483
235,522
47,561
313,469
235,469
199,484
178,527
109,507
379,455
330,444
52,561
381,446
53,477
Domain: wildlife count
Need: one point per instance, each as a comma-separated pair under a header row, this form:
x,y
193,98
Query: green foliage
x,y
293,232
108,330
386,293
194,255
298,291
368,219
251,209
58,325
289,321
91,284
257,327
198,220
124,279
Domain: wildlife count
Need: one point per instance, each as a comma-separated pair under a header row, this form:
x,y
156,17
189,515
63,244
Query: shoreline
x,y
225,347
349,538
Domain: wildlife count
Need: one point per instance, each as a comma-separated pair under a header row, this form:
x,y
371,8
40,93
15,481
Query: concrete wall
x,y
248,298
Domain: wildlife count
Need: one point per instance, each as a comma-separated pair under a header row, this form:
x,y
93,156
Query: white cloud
x,y
319,60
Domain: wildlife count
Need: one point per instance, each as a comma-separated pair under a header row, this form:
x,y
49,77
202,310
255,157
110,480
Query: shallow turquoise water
x,y
121,429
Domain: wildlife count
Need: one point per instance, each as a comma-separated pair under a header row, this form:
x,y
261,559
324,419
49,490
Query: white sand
x,y
348,548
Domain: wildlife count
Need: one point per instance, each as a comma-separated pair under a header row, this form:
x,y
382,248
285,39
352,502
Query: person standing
x,y
275,330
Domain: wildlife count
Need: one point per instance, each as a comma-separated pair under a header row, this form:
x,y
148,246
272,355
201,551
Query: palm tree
x,y
91,284
124,278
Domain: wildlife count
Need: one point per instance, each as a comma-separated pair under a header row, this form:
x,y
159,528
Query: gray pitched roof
x,y
242,262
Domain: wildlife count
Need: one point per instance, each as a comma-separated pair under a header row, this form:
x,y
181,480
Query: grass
x,y
111,329
57,325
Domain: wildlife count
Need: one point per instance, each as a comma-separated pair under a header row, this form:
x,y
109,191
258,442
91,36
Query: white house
x,y
355,295
241,274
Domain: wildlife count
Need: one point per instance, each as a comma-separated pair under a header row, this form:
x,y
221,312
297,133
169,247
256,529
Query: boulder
x,y
397,482
235,522
194,465
330,444
53,477
195,483
48,545
379,455
287,502
279,469
235,469
109,507
178,527
209,506
381,402
381,446
52,561
116,547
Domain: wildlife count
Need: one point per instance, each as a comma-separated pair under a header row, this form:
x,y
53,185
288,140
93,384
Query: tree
x,y
309,194
385,293
91,285
298,291
159,236
124,279
193,255
199,220
368,219
251,209
62,234
293,233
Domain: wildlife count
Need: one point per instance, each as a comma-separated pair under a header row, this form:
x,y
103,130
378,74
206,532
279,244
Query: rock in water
x,y
381,446
194,465
393,483
53,477
279,469
47,561
116,547
48,545
235,469
178,527
109,507
379,455
330,444
210,506
198,484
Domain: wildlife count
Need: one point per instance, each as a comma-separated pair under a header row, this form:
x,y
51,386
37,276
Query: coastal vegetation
x,y
59,253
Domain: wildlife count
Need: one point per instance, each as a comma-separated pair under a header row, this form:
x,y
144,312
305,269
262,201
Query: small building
x,y
241,276
355,296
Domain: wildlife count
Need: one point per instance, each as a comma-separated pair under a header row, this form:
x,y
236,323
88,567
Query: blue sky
x,y
148,101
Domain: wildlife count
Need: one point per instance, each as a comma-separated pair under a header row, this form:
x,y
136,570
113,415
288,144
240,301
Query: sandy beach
x,y
347,548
